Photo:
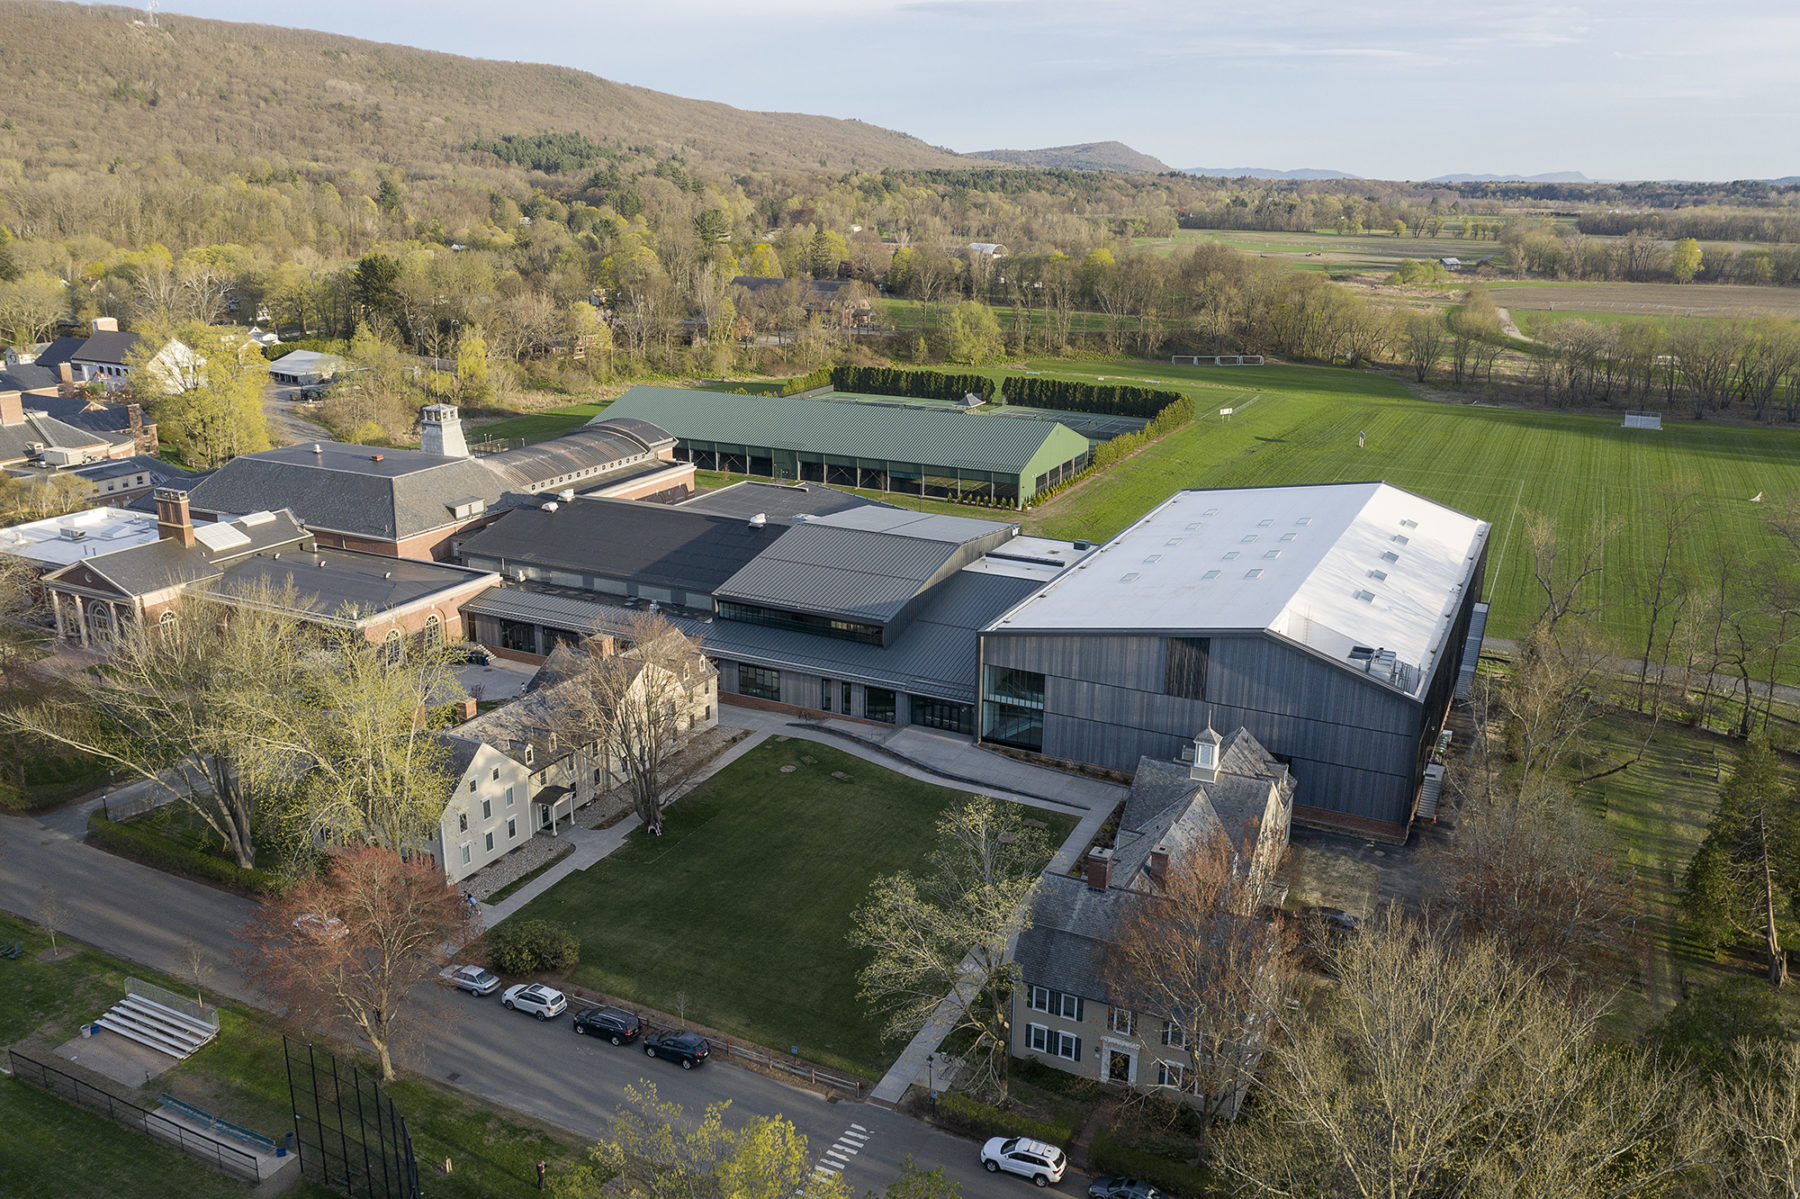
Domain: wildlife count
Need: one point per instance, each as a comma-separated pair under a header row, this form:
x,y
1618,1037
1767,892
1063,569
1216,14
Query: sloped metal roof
x,y
928,436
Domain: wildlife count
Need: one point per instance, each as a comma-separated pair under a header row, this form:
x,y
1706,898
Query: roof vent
x,y
566,494
552,506
759,520
1082,545
317,448
376,457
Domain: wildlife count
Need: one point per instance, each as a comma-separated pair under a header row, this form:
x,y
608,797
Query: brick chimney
x,y
12,408
465,710
1098,865
172,519
1158,865
65,380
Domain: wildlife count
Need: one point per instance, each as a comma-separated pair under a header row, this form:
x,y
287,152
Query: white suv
x,y
1043,1164
541,1001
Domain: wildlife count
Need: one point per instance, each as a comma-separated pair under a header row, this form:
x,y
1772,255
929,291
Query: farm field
x,y
667,920
1653,299
1331,251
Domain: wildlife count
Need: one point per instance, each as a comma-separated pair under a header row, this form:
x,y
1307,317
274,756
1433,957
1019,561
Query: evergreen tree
x,y
1745,877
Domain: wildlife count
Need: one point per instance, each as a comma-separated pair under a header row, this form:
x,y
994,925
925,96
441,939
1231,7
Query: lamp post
x,y
931,1073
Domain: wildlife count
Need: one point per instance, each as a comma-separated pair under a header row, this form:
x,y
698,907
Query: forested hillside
x,y
89,87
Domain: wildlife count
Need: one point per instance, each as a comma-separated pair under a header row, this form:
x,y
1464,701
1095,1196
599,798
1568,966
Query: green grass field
x,y
55,1150
540,426
743,904
1323,251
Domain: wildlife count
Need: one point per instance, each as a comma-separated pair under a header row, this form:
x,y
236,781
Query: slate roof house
x,y
1066,1012
29,435
387,600
416,503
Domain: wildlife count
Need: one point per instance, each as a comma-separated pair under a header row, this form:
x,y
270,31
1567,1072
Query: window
x,y
1402,538
392,647
1367,597
529,754
509,796
434,631
759,682
465,853
1040,999
1173,1035
1184,674
462,823
1048,1040
826,687
1390,556
1263,524
1069,1006
1153,559
1171,1074
1249,539
943,714
1289,536
879,703
1012,709
166,622
496,774
487,809
512,829
471,786
490,842
1122,1020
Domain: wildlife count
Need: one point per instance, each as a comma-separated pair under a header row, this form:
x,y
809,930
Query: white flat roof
x,y
1332,567
61,540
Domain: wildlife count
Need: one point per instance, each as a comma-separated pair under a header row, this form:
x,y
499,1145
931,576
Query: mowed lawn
x,y
743,904
539,426
1499,464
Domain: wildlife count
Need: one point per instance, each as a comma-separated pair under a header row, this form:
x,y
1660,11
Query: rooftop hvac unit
x,y
759,520
552,506
74,534
566,494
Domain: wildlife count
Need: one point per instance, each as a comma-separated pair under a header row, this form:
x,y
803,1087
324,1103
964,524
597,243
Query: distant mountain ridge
x,y
1547,177
90,83
1267,173
1088,156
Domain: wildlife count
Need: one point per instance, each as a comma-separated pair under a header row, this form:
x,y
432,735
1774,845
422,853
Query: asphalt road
x,y
508,1058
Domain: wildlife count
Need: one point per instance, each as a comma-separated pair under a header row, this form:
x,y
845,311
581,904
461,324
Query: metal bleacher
x,y
160,1019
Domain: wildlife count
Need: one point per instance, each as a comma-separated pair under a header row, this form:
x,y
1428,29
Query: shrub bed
x,y
532,947
154,849
971,1117
1109,1154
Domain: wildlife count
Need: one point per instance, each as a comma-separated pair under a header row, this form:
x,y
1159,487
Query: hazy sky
x,y
1695,89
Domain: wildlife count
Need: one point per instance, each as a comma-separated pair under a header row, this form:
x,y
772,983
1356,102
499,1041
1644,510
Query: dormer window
x,y
528,755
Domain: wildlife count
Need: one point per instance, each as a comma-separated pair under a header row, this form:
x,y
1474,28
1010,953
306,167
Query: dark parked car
x,y
615,1024
1112,1187
688,1048
469,655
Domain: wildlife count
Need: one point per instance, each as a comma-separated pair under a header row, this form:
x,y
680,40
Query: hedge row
x,y
919,385
1066,395
971,1117
1126,444
1107,1154
819,378
154,849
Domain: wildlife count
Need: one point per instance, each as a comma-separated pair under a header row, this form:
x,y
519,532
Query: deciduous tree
x,y
206,392
348,949
942,937
1199,953
636,704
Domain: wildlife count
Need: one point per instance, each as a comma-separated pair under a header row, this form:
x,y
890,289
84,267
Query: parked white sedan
x,y
473,979
541,1001
1042,1163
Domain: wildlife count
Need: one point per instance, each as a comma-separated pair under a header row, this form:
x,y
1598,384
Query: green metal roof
x,y
925,436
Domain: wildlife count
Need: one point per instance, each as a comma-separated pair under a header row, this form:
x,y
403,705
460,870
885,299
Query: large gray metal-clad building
x,y
1330,621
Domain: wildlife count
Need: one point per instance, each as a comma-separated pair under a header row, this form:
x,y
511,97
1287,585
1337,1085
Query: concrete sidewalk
x,y
913,1064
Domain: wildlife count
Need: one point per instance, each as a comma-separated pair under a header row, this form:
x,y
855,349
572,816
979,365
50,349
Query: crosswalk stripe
x,y
860,1136
844,1147
836,1154
858,1127
824,1165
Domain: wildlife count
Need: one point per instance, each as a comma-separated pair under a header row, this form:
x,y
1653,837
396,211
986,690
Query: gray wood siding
x,y
1352,743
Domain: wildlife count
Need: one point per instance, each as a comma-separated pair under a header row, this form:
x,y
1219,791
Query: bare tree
x,y
635,704
1566,573
350,948
1442,1068
51,912
1549,701
947,933
199,965
1757,1109
1678,504
1199,955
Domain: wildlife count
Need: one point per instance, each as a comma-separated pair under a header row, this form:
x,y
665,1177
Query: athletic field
x,y
1498,464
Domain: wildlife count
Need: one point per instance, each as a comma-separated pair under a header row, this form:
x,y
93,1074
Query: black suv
x,y
688,1048
615,1024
